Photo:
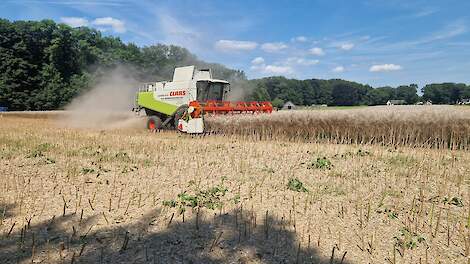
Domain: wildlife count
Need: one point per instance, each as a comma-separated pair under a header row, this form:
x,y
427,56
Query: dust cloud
x,y
107,105
239,90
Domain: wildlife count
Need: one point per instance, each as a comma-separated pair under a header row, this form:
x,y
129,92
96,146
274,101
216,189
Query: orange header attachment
x,y
228,107
197,109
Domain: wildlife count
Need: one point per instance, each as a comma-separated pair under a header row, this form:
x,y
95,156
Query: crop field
x,y
413,126
351,186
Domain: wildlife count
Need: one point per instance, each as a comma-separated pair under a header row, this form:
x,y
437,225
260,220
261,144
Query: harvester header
x,y
184,101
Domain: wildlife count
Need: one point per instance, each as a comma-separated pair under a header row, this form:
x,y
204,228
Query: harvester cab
x,y
183,102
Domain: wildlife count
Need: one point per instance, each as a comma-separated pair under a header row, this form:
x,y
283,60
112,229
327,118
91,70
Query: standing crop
x,y
412,126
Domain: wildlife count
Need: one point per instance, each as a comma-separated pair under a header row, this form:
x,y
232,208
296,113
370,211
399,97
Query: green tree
x,y
381,95
43,65
344,94
407,93
445,93
260,93
278,103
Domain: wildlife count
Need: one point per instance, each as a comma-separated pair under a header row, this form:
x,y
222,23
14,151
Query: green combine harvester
x,y
183,102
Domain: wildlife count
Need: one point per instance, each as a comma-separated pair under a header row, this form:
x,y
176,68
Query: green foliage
x,y
122,156
408,239
456,201
344,93
400,160
170,203
236,199
446,93
330,92
349,93
44,65
391,214
39,150
278,103
359,152
147,163
381,95
296,185
210,198
407,93
127,169
87,170
363,153
321,163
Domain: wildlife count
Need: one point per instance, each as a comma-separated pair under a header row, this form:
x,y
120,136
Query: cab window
x,y
210,91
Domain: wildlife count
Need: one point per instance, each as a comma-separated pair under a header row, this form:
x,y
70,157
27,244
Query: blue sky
x,y
378,42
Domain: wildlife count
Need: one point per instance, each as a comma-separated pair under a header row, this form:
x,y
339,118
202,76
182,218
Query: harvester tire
x,y
154,123
179,113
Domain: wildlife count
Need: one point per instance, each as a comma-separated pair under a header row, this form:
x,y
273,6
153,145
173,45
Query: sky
x,y
376,42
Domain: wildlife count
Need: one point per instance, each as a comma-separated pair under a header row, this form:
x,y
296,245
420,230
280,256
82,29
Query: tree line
x,y
44,65
338,92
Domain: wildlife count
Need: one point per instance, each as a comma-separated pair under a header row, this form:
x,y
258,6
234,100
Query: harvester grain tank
x,y
183,102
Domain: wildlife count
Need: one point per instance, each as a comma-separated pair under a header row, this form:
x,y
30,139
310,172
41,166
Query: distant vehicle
x,y
396,102
3,108
464,102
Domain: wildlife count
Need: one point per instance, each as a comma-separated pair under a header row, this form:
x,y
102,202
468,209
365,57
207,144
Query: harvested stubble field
x,y
72,195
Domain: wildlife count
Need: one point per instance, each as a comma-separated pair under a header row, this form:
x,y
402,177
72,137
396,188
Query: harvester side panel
x,y
146,100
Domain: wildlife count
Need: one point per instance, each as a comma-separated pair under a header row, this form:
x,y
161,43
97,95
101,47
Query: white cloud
x,y
273,47
299,39
257,61
346,46
74,21
339,69
116,24
385,68
273,69
235,45
317,51
302,61
103,23
258,64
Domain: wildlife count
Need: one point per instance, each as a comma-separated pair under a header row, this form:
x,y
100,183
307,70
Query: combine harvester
x,y
183,102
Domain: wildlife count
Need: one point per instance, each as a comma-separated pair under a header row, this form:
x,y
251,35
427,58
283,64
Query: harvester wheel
x,y
179,113
154,123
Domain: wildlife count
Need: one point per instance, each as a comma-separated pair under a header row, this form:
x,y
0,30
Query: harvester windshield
x,y
207,90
